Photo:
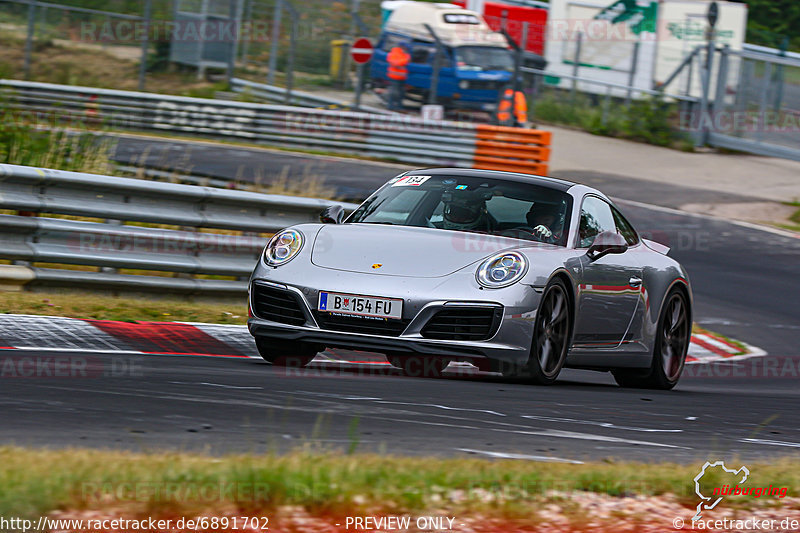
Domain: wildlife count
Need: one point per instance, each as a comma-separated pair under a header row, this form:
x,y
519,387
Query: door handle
x,y
635,282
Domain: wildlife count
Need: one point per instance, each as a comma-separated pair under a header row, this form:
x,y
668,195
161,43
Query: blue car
x,y
470,77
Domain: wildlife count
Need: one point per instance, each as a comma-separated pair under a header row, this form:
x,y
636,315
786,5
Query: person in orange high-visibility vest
x,y
512,110
397,72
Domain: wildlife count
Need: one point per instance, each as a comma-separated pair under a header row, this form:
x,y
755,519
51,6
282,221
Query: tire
x,y
419,366
287,353
551,336
669,350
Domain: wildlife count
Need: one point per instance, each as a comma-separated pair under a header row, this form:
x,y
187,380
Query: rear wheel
x,y
671,346
550,338
287,353
419,366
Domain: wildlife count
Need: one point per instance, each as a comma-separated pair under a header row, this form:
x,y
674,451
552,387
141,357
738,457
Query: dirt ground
x,y
92,65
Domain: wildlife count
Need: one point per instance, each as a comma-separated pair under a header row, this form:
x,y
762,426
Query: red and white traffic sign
x,y
362,50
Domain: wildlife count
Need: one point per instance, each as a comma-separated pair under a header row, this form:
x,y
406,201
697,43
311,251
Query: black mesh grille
x,y
354,324
463,324
277,305
485,85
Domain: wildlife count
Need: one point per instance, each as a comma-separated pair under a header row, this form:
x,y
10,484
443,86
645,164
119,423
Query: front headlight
x,y
463,84
502,270
282,247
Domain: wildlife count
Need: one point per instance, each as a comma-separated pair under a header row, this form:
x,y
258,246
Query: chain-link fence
x,y
757,100
311,38
31,30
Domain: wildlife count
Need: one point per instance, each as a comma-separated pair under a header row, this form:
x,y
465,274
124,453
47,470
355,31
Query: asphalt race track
x,y
746,285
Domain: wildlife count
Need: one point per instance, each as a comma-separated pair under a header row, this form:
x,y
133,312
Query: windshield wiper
x,y
386,223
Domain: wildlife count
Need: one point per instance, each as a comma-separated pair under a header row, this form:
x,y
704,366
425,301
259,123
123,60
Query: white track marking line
x,y
772,442
673,211
545,433
445,407
607,425
78,350
504,455
214,385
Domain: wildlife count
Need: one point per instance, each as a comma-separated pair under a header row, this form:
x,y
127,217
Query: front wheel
x,y
669,353
550,338
287,353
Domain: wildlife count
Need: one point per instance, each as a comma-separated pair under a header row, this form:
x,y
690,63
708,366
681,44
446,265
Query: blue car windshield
x,y
484,58
471,204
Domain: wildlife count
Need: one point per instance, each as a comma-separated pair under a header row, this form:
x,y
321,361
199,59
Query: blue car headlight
x,y
282,247
502,270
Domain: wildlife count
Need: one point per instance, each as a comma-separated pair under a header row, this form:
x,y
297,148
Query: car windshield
x,y
484,58
471,204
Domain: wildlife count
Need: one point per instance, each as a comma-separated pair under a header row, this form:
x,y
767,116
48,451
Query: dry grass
x,y
89,65
105,307
34,482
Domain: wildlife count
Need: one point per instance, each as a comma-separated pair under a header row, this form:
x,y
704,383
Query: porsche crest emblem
x,y
377,265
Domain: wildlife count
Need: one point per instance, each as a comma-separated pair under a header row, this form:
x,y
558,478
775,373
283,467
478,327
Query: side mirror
x,y
333,214
607,242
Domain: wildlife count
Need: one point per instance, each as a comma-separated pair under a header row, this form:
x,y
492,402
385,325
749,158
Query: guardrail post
x,y
517,82
29,38
762,106
145,43
722,80
294,15
632,74
437,65
273,49
576,62
232,20
705,73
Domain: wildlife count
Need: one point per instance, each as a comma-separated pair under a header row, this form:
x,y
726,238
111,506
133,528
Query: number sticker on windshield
x,y
411,181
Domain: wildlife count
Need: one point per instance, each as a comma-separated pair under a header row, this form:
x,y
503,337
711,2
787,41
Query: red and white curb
x,y
708,347
43,333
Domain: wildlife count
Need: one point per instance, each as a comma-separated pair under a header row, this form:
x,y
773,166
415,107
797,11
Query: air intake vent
x,y
278,305
464,323
389,328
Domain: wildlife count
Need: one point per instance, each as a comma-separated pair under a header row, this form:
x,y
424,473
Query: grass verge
x,y
34,482
794,220
106,307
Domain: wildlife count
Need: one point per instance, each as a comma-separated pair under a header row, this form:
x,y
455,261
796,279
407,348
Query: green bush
x,y
648,120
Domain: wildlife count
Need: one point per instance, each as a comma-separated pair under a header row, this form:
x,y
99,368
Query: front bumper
x,y
423,298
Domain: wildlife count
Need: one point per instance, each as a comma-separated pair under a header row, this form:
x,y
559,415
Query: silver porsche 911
x,y
513,273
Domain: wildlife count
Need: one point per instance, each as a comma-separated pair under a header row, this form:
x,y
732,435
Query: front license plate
x,y
355,304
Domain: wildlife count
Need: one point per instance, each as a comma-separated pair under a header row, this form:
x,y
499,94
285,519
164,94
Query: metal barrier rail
x,y
276,94
399,137
114,245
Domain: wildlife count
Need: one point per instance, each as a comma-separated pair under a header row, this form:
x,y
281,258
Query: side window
x,y
624,228
596,218
420,54
390,41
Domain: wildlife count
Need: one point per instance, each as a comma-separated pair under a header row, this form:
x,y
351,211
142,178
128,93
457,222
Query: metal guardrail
x,y
277,94
33,237
398,137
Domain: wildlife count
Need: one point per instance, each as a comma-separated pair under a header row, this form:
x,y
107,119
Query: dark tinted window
x,y
596,217
420,54
471,204
624,228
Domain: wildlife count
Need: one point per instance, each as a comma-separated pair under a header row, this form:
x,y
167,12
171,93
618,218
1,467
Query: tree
x,y
769,22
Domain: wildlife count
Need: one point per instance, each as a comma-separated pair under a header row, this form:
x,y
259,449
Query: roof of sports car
x,y
553,183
